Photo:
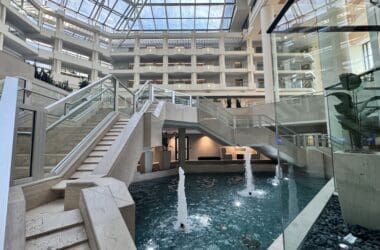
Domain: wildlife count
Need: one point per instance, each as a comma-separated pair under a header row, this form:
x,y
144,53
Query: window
x,y
367,55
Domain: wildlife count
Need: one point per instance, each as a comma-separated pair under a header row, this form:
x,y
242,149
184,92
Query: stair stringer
x,y
122,158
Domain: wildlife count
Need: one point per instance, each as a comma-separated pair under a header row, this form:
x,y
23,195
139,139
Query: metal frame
x,y
129,18
309,29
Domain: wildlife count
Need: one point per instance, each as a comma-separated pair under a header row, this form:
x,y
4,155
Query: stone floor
x,y
330,229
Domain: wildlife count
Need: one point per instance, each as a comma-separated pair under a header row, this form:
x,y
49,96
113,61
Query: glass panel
x,y
341,51
22,167
70,122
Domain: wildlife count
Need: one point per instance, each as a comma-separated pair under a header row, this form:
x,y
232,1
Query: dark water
x,y
219,217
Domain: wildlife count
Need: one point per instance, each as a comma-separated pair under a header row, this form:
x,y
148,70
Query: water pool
x,y
219,217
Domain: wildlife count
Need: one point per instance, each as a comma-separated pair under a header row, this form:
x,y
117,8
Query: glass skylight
x,y
153,15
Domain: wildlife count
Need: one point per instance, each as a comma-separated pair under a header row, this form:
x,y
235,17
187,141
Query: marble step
x,y
112,134
109,138
87,167
92,160
101,148
115,130
105,143
47,223
80,174
97,153
82,246
61,186
61,239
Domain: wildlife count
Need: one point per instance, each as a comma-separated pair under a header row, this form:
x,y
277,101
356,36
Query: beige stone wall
x,y
11,66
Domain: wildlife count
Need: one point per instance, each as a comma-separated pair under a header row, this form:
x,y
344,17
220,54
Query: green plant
x,y
83,83
355,116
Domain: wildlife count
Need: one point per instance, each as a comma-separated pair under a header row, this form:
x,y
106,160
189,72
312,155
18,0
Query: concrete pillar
x,y
251,68
3,13
137,44
148,160
165,79
193,43
165,62
181,146
95,64
222,67
194,78
165,44
59,24
136,79
266,18
221,43
136,68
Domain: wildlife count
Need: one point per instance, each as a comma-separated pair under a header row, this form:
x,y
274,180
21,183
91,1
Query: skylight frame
x,y
119,15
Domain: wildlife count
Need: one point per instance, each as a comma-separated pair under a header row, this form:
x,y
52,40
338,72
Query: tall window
x,y
367,55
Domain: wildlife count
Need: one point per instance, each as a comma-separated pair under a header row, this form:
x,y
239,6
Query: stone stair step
x,y
92,160
115,130
61,186
109,138
47,223
97,153
82,246
112,134
118,127
61,239
121,123
123,120
101,148
105,143
87,167
81,174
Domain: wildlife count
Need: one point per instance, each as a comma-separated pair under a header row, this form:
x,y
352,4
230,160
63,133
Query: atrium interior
x,y
189,124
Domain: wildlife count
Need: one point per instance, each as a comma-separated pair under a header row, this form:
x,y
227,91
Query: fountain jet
x,y
250,185
182,205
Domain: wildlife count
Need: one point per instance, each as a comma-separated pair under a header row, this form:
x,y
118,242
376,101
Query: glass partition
x,y
70,120
336,43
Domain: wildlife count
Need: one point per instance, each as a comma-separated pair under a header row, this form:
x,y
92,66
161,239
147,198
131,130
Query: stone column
x,y
165,63
95,64
266,18
251,67
58,45
181,146
193,69
148,160
222,68
136,68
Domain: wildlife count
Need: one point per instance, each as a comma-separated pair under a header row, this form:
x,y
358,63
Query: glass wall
x,y
335,55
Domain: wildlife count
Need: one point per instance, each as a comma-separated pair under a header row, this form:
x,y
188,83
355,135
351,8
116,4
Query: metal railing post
x,y
151,93
134,104
116,94
190,101
39,141
173,96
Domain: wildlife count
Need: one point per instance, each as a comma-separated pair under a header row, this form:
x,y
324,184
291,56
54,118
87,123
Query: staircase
x,y
51,227
59,142
252,131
